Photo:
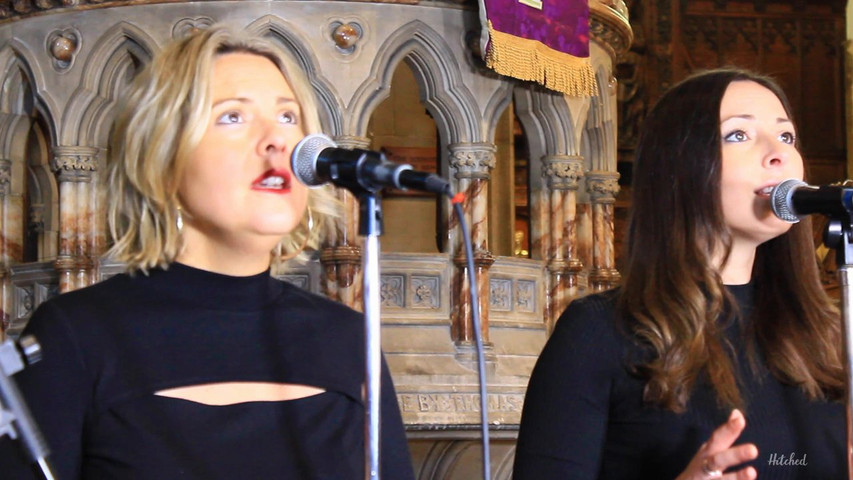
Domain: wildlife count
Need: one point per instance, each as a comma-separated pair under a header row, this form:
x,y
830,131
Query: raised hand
x,y
717,454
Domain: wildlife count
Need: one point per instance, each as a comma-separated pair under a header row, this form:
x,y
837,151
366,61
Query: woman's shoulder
x,y
86,301
601,303
592,322
596,310
318,308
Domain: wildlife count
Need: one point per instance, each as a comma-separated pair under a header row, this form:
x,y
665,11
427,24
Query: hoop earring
x,y
309,228
179,220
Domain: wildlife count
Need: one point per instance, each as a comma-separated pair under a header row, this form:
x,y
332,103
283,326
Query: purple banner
x,y
562,25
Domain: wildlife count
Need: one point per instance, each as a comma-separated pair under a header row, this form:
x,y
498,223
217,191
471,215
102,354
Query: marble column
x,y
472,164
602,188
341,254
75,167
6,253
562,174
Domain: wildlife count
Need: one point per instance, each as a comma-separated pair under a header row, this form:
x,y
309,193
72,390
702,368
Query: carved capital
x,y
64,263
74,163
563,172
604,277
564,266
343,254
602,186
472,160
352,142
483,259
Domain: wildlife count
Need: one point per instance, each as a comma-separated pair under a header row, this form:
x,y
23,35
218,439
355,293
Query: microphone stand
x,y
839,235
15,417
370,226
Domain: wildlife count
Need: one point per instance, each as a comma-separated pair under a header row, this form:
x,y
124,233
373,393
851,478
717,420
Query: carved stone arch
x,y
550,120
434,65
284,34
26,132
599,148
22,89
113,62
42,203
455,458
553,124
499,101
16,93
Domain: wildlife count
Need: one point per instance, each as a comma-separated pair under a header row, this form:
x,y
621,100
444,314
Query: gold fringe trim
x,y
534,61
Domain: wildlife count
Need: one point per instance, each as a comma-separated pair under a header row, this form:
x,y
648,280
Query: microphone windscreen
x,y
303,161
780,199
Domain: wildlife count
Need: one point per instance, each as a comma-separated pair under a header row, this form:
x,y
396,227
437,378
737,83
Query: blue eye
x,y
788,138
230,118
736,136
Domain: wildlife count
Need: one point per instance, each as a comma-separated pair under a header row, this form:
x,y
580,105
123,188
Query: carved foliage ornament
x,y
81,159
23,7
473,161
563,173
602,189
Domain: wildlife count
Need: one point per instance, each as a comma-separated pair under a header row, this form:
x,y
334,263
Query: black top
x,y
109,347
584,415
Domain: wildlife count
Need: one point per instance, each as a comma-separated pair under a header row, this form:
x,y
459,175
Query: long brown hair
x,y
672,293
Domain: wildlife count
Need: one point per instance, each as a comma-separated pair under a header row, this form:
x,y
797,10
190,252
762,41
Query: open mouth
x,y
274,181
765,191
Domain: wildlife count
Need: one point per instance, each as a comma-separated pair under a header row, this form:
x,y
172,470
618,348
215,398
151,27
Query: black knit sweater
x,y
584,415
109,347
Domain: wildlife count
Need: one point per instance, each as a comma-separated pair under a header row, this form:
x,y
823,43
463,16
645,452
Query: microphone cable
x,y
457,200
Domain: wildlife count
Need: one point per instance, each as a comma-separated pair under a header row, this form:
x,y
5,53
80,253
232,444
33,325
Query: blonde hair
x,y
163,118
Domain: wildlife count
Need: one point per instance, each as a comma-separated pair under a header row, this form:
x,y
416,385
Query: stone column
x,y
9,233
341,254
602,188
75,167
472,163
562,174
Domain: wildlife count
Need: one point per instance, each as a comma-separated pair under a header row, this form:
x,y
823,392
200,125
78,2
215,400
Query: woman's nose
x,y
777,154
274,143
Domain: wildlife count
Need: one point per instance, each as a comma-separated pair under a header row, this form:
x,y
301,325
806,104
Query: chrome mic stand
x,y
15,417
370,226
839,235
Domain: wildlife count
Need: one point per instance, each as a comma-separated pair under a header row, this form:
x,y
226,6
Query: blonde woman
x,y
197,363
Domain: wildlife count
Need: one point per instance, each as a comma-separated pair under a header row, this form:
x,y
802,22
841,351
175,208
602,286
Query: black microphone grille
x,y
303,161
780,199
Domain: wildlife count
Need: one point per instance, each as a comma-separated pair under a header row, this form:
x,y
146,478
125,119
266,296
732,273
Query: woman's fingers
x,y
731,457
726,434
747,473
718,455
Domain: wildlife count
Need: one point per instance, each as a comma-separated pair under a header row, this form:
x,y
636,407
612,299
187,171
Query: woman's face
x,y
758,152
237,189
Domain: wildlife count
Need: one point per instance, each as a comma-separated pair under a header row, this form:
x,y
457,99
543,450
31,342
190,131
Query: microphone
x,y
317,159
793,199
